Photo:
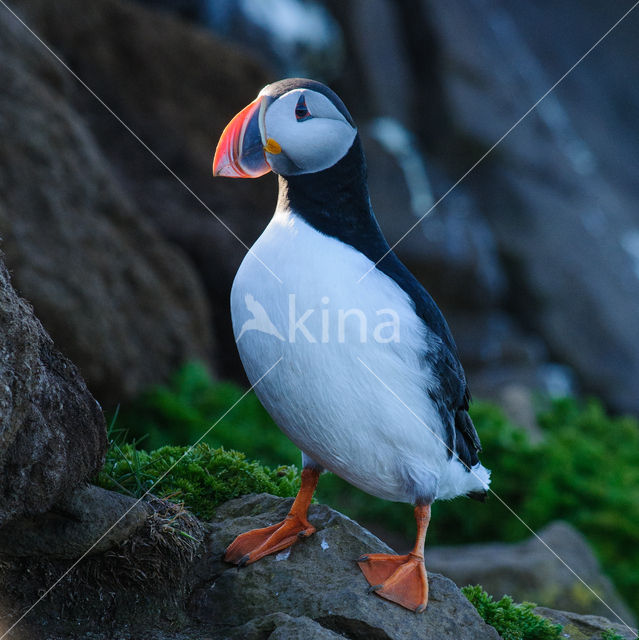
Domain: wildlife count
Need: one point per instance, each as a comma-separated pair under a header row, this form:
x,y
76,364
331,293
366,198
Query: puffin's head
x,y
294,126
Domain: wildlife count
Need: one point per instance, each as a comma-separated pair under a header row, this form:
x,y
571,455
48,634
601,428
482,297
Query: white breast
x,y
325,329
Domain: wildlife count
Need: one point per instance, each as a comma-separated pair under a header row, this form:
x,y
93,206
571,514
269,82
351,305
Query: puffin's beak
x,y
240,151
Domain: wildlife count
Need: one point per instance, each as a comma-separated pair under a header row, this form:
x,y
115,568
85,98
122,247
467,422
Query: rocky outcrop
x,y
585,627
317,579
52,431
176,86
153,586
87,518
132,584
116,298
529,571
565,228
165,580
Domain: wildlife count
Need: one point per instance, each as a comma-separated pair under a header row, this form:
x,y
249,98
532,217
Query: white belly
x,y
321,393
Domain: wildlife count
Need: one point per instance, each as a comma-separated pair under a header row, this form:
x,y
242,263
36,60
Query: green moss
x,y
512,621
611,634
200,478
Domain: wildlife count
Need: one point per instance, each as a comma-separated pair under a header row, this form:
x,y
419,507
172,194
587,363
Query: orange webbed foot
x,y
253,545
401,579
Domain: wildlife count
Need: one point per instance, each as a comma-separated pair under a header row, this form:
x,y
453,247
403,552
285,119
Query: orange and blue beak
x,y
241,150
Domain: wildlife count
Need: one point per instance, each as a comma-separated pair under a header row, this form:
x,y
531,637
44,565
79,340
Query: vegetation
x,y
180,413
584,471
512,621
200,478
611,634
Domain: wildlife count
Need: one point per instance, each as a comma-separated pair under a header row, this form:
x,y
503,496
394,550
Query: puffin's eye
x,y
301,110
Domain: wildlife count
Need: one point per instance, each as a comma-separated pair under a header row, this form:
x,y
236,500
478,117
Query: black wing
x,y
452,396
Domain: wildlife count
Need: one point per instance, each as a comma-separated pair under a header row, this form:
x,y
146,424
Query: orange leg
x,y
401,579
253,545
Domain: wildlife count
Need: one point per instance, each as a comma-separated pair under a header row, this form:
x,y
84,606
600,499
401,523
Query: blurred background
x,y
534,257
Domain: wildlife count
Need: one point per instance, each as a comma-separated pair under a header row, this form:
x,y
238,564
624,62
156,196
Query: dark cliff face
x,y
126,306
52,431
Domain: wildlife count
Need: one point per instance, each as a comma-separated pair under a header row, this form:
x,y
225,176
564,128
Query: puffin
x,y
346,350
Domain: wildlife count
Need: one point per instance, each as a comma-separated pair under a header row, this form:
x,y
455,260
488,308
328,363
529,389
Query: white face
x,y
312,133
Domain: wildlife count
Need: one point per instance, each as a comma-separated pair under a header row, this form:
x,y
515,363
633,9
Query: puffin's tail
x,y
481,477
462,481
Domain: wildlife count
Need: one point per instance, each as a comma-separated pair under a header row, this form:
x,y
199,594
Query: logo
x,y
323,324
260,320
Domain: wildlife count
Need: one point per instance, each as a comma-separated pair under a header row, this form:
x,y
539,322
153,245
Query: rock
x,y
163,583
584,627
52,431
317,579
134,590
556,193
117,299
281,626
518,405
152,585
177,87
88,517
309,45
528,571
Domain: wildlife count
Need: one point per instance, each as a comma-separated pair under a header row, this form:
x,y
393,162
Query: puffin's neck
x,y
336,202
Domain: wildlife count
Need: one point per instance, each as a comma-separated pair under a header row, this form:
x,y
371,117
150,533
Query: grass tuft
x,y
199,478
512,621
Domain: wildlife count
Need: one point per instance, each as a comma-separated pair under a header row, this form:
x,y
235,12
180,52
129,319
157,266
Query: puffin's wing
x,y
452,398
452,395
467,444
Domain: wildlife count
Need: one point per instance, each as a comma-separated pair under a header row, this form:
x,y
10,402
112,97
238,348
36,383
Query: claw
x,y
243,560
363,558
374,587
